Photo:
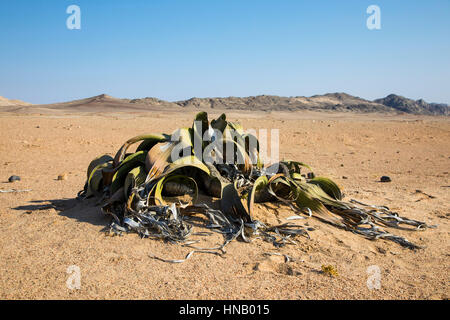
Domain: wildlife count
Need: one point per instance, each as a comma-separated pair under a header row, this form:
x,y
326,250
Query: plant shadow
x,y
87,211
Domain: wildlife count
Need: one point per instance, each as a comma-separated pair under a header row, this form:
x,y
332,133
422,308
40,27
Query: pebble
x,y
344,177
62,176
385,179
14,178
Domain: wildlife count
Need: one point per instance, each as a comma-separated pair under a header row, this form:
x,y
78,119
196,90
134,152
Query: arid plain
x,y
46,230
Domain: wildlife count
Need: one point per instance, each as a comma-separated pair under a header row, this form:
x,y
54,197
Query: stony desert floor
x,y
46,230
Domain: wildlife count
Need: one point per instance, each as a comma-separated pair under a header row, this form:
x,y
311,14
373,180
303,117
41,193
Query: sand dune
x,y
4,102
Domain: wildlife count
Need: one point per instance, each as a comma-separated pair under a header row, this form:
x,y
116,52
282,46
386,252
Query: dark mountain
x,y
414,106
330,101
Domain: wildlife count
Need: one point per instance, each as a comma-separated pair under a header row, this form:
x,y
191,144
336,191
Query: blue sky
x,y
177,49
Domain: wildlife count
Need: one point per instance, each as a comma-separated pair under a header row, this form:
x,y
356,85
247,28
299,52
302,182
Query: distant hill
x,y
341,102
331,101
414,106
98,104
4,102
154,102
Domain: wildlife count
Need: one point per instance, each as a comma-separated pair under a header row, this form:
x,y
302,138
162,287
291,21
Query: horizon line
x,y
222,97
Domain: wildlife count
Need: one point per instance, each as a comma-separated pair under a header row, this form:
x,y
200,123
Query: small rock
x,y
385,179
62,176
14,178
344,177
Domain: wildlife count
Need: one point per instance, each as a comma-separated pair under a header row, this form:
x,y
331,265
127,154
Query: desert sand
x,y
46,230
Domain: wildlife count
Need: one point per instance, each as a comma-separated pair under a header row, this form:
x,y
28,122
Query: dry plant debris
x,y
330,270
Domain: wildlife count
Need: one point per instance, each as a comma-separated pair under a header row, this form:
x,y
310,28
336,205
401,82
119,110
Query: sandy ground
x,y
45,231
